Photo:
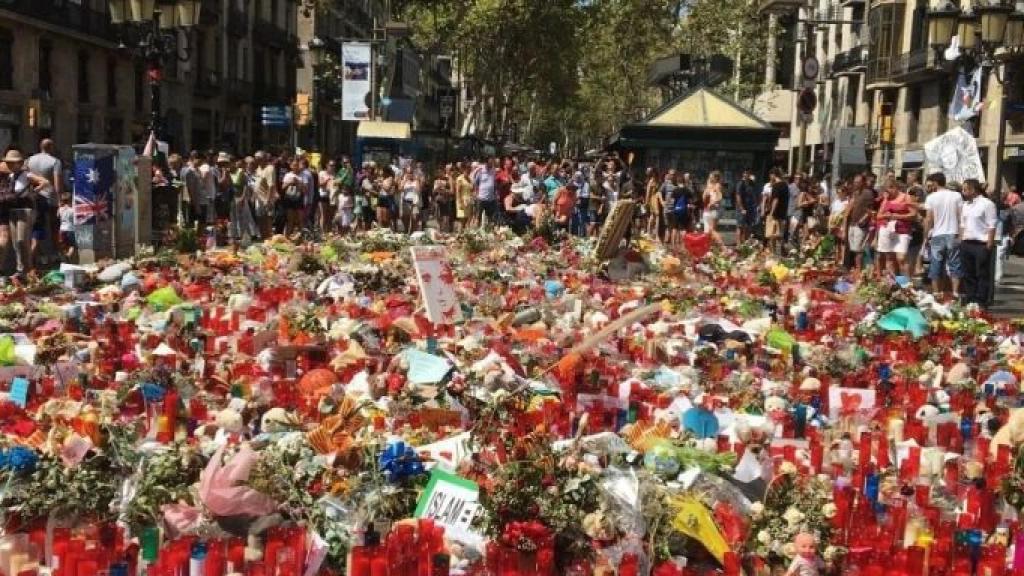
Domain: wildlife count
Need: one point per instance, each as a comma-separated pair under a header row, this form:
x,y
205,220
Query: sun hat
x,y
13,156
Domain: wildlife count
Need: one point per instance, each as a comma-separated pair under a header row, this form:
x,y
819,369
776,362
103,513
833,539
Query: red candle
x,y
817,455
864,451
981,449
882,456
911,464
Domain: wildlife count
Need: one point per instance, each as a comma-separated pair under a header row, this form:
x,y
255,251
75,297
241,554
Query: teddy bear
x,y
1010,434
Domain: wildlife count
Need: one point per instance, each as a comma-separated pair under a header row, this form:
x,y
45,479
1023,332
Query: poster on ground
x,y
357,80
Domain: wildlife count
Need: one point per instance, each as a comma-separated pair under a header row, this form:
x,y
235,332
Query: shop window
x,y
6,60
83,76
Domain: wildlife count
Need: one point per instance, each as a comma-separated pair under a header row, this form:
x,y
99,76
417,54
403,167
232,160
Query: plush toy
x,y
1011,434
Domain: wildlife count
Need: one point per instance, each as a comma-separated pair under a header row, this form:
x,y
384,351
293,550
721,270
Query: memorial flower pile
x,y
489,404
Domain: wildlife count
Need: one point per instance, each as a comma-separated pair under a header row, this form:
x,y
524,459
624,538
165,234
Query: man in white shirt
x,y
209,175
942,230
977,239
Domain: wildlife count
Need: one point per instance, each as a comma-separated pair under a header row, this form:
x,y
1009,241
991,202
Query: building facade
x,y
63,76
883,77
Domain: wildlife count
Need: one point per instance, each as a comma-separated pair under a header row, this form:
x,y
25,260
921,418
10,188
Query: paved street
x,y
1010,293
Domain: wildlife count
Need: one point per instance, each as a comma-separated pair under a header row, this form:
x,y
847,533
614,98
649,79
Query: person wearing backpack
x,y
678,216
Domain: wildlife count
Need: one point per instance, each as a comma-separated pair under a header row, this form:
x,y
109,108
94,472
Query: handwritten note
x,y
453,502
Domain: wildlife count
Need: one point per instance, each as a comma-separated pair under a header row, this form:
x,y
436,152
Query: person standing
x,y
18,189
463,198
858,220
977,241
486,192
330,186
894,217
264,194
748,198
310,197
711,201
209,177
191,190
942,232
777,211
412,200
293,199
667,190
47,166
654,203
243,179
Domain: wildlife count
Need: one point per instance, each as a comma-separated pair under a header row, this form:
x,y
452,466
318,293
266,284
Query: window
x,y
945,93
140,93
6,60
84,132
886,29
243,62
45,57
111,81
912,107
83,78
114,131
919,34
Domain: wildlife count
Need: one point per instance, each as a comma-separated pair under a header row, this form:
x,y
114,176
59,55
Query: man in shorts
x,y
942,229
858,220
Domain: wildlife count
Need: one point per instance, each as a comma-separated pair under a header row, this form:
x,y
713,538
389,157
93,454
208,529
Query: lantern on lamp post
x,y
151,29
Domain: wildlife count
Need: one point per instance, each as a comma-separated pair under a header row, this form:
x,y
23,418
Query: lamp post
x,y
148,30
315,47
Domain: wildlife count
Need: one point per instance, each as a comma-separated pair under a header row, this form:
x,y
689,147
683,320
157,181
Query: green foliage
x,y
574,71
166,478
84,491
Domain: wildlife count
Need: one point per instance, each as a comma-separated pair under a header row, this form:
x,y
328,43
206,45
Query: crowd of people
x,y
946,232
261,195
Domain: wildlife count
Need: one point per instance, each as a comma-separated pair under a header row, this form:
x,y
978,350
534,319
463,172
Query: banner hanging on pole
x,y
357,80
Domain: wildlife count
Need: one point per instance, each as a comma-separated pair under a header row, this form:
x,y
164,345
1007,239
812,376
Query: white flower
x,y
756,509
792,516
789,550
787,468
764,537
829,510
830,552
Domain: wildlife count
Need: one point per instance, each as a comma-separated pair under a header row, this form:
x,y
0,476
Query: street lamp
x,y
1014,30
942,24
150,27
967,31
994,17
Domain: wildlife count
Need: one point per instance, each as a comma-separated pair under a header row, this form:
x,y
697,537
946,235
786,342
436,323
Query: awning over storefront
x,y
385,130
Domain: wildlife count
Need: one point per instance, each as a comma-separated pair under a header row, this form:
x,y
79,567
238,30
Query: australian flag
x,y
94,179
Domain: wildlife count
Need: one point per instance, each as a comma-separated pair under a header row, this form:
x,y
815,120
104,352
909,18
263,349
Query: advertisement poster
x,y
357,82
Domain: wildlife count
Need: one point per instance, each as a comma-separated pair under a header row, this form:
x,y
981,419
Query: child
x,y
346,208
363,210
66,215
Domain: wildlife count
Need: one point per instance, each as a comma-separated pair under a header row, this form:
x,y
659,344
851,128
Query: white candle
x,y
896,429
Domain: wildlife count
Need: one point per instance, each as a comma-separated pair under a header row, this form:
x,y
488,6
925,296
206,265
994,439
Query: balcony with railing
x,y
917,65
63,13
780,6
848,63
239,90
208,83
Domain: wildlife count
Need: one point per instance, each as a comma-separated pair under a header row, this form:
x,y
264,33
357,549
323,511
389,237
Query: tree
x,y
733,28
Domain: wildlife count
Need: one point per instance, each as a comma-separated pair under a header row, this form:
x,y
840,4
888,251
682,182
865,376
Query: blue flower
x,y
153,392
399,461
18,459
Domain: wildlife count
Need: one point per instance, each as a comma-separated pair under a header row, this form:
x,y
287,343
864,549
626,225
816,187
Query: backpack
x,y
679,205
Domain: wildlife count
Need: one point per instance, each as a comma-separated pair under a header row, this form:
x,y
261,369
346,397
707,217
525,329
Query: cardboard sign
x,y
452,502
449,452
850,401
437,284
19,392
614,229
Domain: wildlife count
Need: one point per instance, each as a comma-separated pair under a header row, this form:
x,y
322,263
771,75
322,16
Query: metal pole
x,y
803,140
156,72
